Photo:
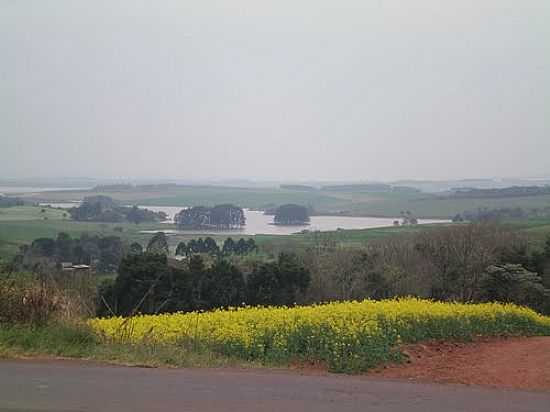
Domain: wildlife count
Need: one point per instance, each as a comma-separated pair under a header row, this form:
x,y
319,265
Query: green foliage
x,y
136,249
105,209
56,338
137,286
277,283
291,214
158,244
105,252
220,217
513,283
222,286
6,201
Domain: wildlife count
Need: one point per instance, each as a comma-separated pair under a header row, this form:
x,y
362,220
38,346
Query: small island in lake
x,y
291,215
220,217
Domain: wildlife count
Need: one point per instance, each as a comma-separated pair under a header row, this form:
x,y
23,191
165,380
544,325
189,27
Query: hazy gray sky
x,y
288,89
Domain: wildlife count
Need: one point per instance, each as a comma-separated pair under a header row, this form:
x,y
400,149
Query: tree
x,y
64,247
134,215
241,248
220,217
182,249
136,249
210,246
105,209
43,247
514,284
223,286
158,244
278,283
251,246
291,214
227,217
200,245
111,252
137,286
228,247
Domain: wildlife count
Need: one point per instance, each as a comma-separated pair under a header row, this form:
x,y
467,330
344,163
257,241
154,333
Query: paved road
x,y
65,386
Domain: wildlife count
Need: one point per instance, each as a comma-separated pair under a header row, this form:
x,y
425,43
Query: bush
x,y
25,299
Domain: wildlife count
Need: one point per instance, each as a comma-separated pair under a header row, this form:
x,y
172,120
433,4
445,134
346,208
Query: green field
x,y
356,203
21,225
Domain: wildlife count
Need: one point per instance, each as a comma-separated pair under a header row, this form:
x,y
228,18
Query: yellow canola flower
x,y
348,336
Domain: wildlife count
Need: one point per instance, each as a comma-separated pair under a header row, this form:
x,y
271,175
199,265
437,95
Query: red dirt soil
x,y
513,363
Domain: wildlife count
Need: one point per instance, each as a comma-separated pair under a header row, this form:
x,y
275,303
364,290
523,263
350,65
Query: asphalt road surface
x,y
71,386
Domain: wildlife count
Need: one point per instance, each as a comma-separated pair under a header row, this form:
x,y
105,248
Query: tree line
x,y
209,245
467,263
46,254
7,201
149,284
500,214
105,209
158,244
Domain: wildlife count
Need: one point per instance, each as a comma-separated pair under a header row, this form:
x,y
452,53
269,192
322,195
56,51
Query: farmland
x,y
351,203
347,336
21,225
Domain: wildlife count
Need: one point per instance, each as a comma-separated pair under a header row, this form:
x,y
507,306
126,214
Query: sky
x,y
286,89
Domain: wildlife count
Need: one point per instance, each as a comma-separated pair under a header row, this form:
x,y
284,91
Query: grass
x,y
22,225
79,342
26,213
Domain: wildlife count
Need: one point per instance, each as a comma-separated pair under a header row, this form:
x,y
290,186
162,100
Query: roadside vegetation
x,y
346,337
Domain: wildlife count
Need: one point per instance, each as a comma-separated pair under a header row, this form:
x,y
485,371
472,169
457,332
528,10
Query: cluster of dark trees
x,y
105,209
45,254
291,214
468,263
148,284
407,218
504,213
6,201
220,217
209,245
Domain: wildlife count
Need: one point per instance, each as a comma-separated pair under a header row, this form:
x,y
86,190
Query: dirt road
x,y
71,386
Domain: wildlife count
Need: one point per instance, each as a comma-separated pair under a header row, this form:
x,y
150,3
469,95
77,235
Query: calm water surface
x,y
259,224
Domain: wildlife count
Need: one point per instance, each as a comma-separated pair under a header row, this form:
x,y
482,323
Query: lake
x,y
257,223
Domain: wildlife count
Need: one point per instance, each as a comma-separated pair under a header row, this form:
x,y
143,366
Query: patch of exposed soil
x,y
514,363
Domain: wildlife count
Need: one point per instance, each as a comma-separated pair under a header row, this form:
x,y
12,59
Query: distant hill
x,y
364,187
514,191
302,188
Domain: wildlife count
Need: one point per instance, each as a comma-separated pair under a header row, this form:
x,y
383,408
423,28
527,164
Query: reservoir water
x,y
259,224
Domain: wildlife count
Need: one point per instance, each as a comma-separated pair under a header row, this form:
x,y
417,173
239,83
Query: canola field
x,y
346,336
